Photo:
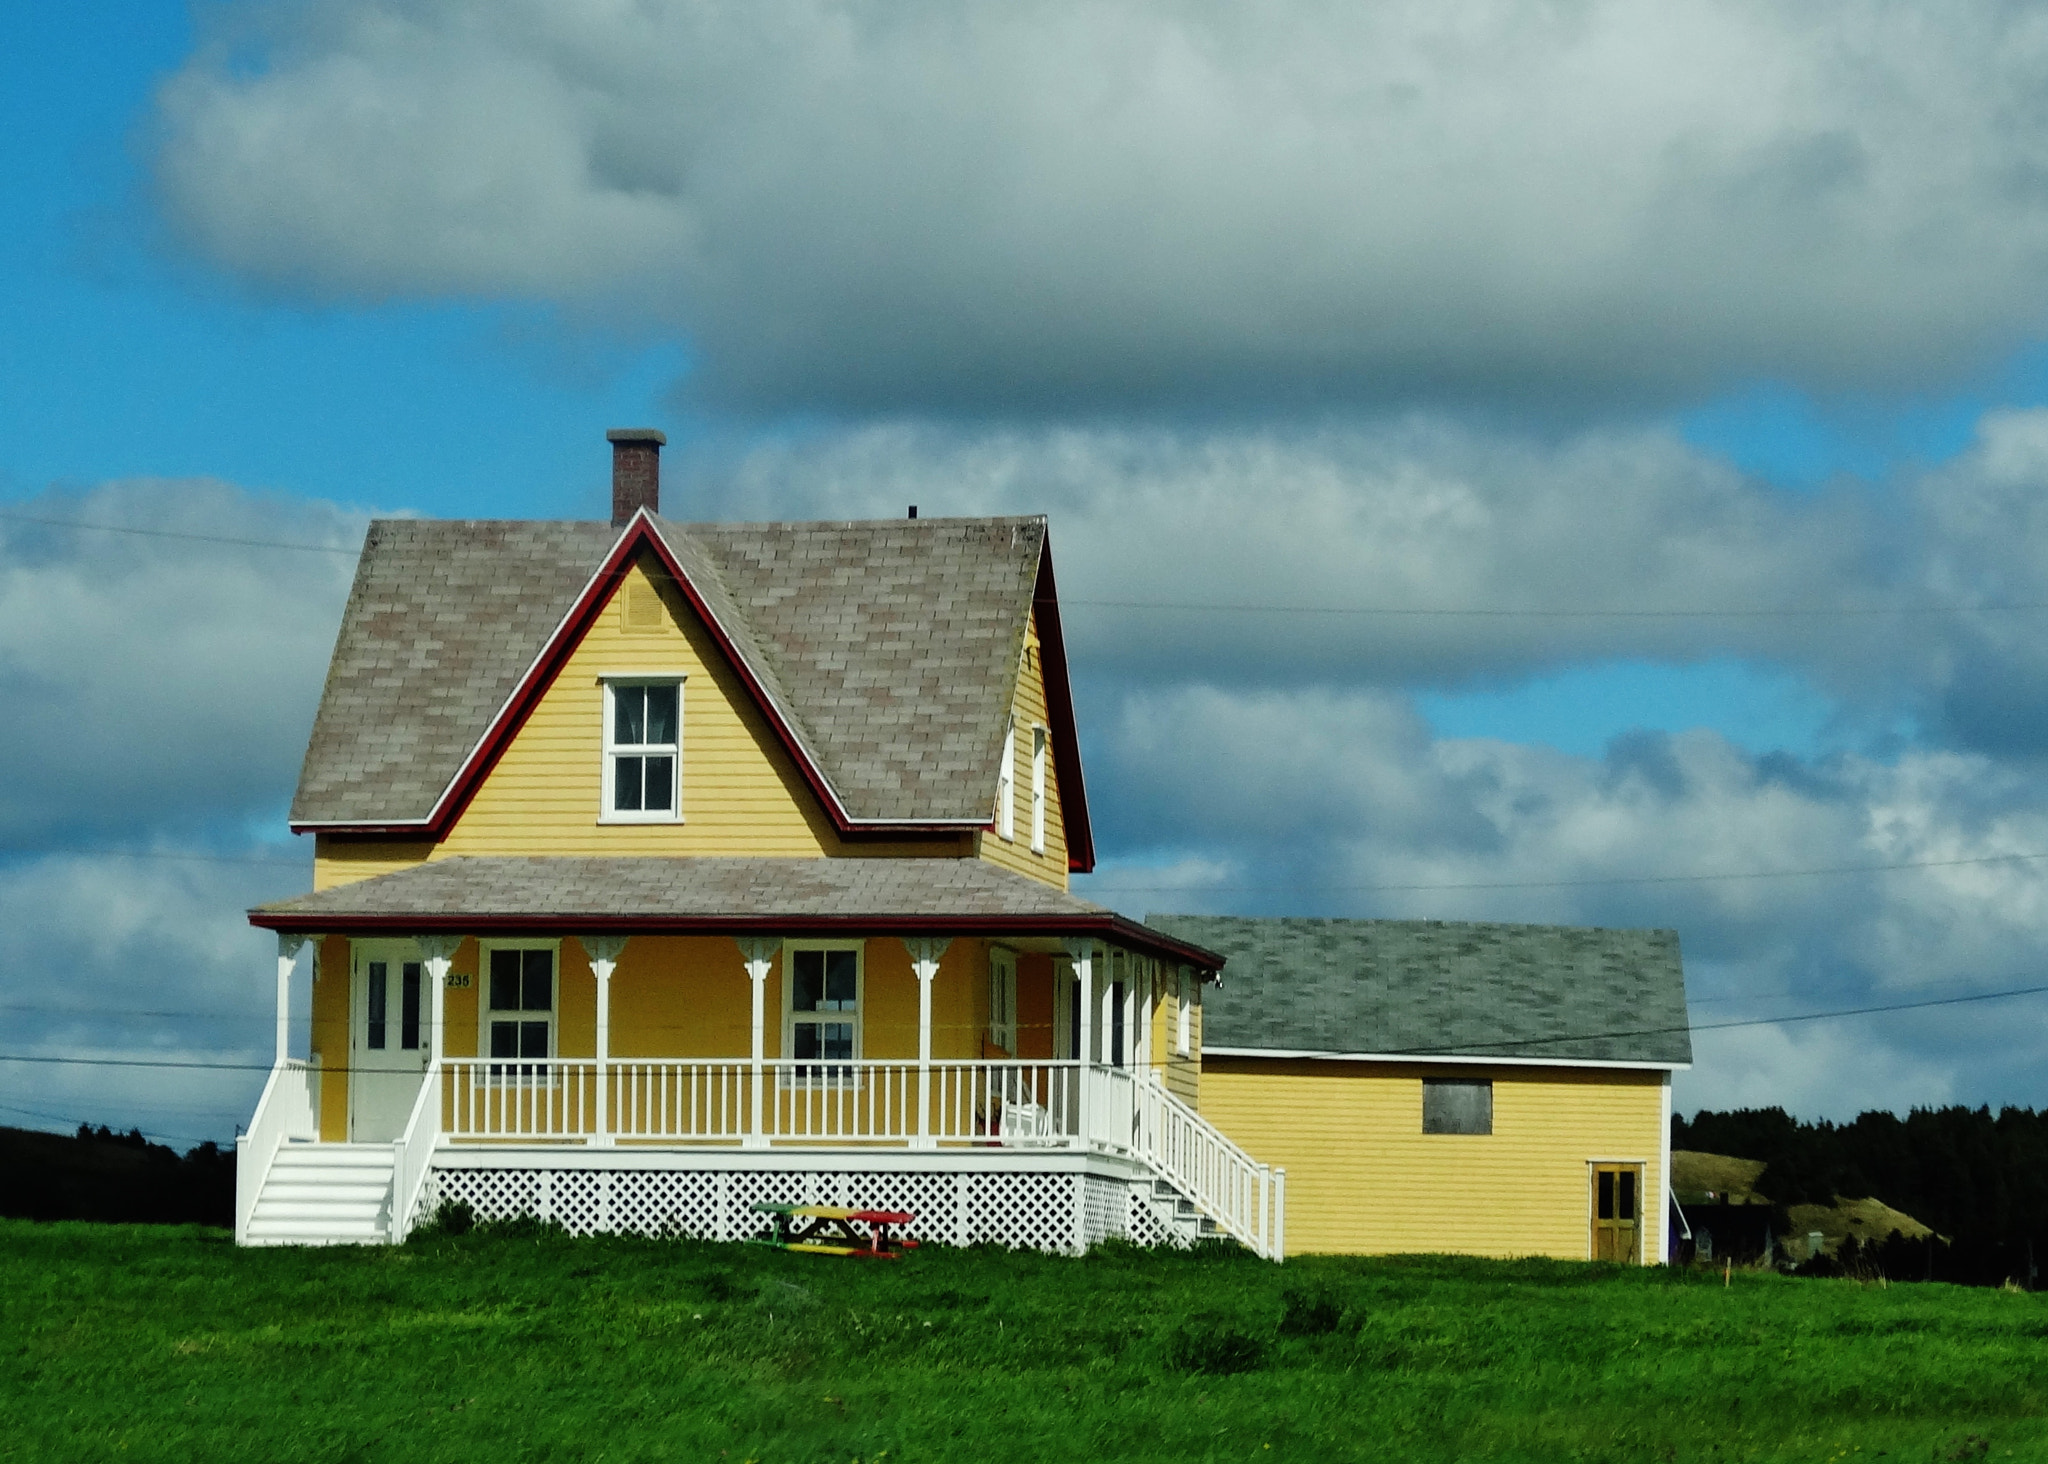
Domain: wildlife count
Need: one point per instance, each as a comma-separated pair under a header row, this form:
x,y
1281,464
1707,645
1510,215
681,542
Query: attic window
x,y
1457,1106
643,745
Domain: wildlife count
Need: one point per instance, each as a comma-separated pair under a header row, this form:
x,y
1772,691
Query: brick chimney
x,y
636,471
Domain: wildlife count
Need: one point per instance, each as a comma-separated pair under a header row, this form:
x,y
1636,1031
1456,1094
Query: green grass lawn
x,y
153,1343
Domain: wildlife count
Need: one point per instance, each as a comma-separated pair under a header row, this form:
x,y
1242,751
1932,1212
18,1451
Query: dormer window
x,y
1006,786
643,747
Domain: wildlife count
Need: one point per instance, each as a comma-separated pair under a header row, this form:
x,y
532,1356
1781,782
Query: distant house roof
x,y
1442,989
784,897
884,652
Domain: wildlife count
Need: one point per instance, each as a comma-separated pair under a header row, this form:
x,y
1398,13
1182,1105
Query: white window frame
x,y
1006,786
613,750
484,1009
1184,1014
790,1077
1039,738
1002,998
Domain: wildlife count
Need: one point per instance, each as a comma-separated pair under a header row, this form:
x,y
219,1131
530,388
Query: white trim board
x,y
1425,1059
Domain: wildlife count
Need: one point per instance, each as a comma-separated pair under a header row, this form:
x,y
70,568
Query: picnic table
x,y
827,1230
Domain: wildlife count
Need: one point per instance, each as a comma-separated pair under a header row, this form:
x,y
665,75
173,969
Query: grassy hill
x,y
1735,1181
158,1343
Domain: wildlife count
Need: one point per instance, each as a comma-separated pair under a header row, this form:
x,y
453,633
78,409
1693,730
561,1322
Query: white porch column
x,y
1108,1013
759,955
1082,954
925,955
288,948
604,952
437,953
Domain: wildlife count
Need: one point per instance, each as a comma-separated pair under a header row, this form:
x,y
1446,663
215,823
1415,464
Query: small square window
x,y
1457,1106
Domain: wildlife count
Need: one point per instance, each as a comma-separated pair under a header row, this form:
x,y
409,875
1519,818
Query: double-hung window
x,y
1038,790
1002,1000
643,750
1006,786
519,1020
824,1012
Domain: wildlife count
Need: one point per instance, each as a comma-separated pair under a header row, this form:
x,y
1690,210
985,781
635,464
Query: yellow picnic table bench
x,y
827,1230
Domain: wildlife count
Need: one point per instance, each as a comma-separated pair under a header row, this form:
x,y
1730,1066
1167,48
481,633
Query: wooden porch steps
x,y
325,1194
1179,1214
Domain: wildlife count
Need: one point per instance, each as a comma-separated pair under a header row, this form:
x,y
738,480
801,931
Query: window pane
x,y
1606,1210
1627,1208
374,978
804,1040
661,716
626,784
533,1039
842,985
504,1039
537,981
660,773
409,1006
1456,1106
629,725
808,987
505,981
838,1039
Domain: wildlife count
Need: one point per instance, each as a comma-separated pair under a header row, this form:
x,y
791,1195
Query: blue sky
x,y
269,269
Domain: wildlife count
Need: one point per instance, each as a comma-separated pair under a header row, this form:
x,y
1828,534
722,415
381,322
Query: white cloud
x,y
151,682
863,202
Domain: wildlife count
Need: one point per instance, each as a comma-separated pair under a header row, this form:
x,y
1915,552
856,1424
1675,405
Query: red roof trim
x,y
1059,706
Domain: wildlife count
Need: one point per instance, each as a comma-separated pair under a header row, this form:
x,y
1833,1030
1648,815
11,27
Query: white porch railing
x,y
288,1109
895,1103
413,1157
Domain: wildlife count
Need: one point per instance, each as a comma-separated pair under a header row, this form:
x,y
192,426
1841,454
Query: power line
x,y
1863,1011
1559,884
85,851
50,523
1190,606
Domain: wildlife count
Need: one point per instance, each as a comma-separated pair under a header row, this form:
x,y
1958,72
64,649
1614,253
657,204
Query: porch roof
x,y
735,896
1450,990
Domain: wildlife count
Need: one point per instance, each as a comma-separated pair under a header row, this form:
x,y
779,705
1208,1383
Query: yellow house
x,y
1497,1090
664,869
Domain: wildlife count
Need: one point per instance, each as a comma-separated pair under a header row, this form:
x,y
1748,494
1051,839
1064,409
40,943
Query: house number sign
x,y
457,980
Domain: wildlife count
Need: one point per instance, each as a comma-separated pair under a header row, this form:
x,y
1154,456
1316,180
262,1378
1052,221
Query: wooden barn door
x,y
1617,1212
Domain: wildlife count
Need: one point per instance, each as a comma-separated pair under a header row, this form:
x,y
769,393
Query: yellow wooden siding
x,y
1362,1177
1183,1075
741,791
1028,708
330,1035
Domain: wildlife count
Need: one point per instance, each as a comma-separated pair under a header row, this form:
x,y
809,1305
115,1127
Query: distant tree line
x,y
1979,1179
98,1174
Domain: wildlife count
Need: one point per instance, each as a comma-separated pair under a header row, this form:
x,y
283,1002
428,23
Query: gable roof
x,y
883,653
1431,988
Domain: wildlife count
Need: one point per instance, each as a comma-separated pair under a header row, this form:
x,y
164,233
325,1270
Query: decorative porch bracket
x,y
288,948
604,952
925,955
759,955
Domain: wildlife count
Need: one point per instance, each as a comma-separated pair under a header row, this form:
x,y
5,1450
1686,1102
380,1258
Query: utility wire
x,y
1559,884
1189,606
1461,1048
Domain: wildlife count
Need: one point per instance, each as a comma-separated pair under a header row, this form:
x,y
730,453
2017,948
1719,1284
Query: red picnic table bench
x,y
827,1230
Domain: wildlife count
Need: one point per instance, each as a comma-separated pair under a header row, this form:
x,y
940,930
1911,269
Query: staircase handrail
x,y
413,1154
284,1111
1246,1199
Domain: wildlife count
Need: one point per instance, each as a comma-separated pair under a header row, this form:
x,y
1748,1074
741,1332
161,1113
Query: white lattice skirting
x,y
1042,1210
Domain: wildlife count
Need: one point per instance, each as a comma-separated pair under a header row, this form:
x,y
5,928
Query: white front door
x,y
387,1038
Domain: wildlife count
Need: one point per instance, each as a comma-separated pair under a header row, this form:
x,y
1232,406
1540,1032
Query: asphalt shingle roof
x,y
888,647
644,887
1442,988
